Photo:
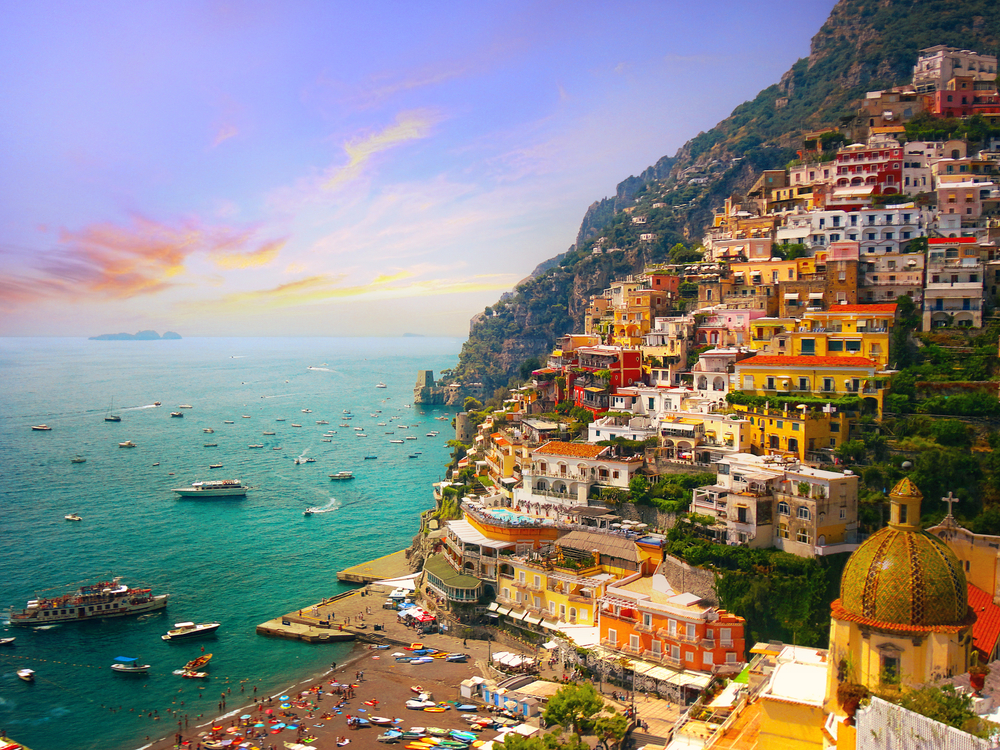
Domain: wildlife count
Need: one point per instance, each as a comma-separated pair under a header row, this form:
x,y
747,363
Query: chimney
x,y
597,556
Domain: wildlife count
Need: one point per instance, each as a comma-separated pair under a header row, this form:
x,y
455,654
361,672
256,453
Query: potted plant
x,y
849,696
977,674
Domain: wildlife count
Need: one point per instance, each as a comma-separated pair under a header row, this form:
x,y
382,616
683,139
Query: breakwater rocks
x,y
427,391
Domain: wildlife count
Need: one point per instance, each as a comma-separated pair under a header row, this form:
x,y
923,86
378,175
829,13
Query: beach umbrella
x,y
246,716
269,711
260,724
283,698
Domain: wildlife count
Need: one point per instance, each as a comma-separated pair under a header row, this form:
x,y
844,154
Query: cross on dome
x,y
949,499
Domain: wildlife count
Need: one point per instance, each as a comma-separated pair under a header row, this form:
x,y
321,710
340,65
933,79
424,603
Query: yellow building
x,y
823,377
807,435
903,615
561,585
791,706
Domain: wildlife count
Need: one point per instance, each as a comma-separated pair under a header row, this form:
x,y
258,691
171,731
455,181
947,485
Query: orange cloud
x,y
141,257
409,126
225,133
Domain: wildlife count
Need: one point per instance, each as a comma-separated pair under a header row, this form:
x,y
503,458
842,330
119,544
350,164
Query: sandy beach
x,y
318,714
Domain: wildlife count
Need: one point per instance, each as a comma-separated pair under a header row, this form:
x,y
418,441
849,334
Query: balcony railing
x,y
673,661
688,638
609,643
642,628
652,655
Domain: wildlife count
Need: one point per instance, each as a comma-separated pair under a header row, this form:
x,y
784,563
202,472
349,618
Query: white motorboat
x,y
129,665
28,675
7,641
342,475
41,428
381,385
190,629
73,517
78,460
127,444
218,488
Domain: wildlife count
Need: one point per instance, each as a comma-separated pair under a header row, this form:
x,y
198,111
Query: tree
x,y
572,705
948,707
850,452
611,729
472,404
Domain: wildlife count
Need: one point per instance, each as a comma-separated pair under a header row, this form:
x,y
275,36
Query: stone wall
x,y
684,577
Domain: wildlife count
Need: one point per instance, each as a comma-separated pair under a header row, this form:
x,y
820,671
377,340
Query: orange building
x,y
647,618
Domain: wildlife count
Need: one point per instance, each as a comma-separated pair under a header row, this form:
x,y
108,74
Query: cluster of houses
x,y
759,381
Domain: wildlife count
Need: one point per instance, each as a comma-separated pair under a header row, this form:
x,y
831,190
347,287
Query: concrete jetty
x,y
342,617
379,569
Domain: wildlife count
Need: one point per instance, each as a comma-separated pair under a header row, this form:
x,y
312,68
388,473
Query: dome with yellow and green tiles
x,y
902,575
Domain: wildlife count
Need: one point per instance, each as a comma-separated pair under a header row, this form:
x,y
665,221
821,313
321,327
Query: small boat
x,y
256,445
112,418
211,445
215,466
321,421
245,416
73,517
41,428
28,675
467,707
228,421
400,442
78,460
192,675
176,414
189,629
196,664
411,437
414,455
381,385
184,406
307,411
380,720
462,658
295,425
370,458
129,665
127,444
208,430
280,419
342,475
390,737
268,433
7,641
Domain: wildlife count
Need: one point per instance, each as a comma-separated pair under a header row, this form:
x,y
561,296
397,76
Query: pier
x,y
379,569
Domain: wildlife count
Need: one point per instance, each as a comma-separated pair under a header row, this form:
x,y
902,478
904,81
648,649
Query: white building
x,y
939,64
877,230
564,474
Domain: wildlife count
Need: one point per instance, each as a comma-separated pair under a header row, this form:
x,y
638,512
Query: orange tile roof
x,y
576,450
771,360
838,611
986,631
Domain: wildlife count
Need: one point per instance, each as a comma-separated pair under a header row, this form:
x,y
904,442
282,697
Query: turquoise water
x,y
238,561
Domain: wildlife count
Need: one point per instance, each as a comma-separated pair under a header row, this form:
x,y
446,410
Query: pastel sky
x,y
268,168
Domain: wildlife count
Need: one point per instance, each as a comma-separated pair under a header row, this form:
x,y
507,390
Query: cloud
x,y
409,126
224,134
136,258
327,287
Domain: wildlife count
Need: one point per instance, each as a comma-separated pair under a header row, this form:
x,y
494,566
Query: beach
x,y
375,672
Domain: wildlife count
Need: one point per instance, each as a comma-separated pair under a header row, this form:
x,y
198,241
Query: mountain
x,y
864,45
140,336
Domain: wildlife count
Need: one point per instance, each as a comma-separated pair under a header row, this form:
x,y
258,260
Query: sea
x,y
237,561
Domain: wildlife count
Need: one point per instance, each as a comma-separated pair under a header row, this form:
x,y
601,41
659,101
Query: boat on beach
x,y
93,601
190,629
217,488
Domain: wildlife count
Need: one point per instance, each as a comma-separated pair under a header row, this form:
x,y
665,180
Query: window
x,y
537,582
804,513
706,658
803,384
730,657
843,511
633,642
612,636
827,384
802,535
835,346
672,628
783,530
647,619
770,383
853,346
783,509
808,347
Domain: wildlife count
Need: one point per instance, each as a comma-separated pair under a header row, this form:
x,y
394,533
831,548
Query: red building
x,y
877,165
604,370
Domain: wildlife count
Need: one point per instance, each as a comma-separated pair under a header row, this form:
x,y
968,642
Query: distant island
x,y
140,336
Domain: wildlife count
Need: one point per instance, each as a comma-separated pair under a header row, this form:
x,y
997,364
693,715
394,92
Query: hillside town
x,y
741,375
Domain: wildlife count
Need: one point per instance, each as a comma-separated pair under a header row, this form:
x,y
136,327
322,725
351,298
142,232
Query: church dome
x,y
902,575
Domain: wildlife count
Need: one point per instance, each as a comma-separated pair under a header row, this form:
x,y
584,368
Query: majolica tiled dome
x,y
904,576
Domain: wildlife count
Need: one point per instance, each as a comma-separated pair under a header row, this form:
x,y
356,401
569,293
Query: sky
x,y
295,168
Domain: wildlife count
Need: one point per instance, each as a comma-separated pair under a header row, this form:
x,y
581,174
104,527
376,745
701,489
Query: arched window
x,y
803,513
783,509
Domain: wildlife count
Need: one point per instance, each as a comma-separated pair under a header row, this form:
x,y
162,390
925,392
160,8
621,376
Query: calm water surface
x,y
238,561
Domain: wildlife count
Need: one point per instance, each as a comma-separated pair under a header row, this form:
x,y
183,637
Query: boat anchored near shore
x,y
190,629
95,601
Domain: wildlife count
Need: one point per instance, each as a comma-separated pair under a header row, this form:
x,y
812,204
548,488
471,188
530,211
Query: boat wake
x,y
333,504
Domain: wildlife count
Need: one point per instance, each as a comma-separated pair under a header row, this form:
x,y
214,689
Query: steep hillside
x,y
864,45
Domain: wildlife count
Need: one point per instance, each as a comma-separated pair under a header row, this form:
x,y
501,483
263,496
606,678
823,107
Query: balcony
x,y
673,661
609,643
642,628
726,643
652,655
520,584
687,637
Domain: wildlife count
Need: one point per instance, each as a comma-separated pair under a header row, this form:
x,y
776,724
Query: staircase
x,y
639,739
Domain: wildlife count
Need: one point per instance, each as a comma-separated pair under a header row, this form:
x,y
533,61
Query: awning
x,y
531,619
792,295
517,615
493,607
549,625
503,610
815,295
